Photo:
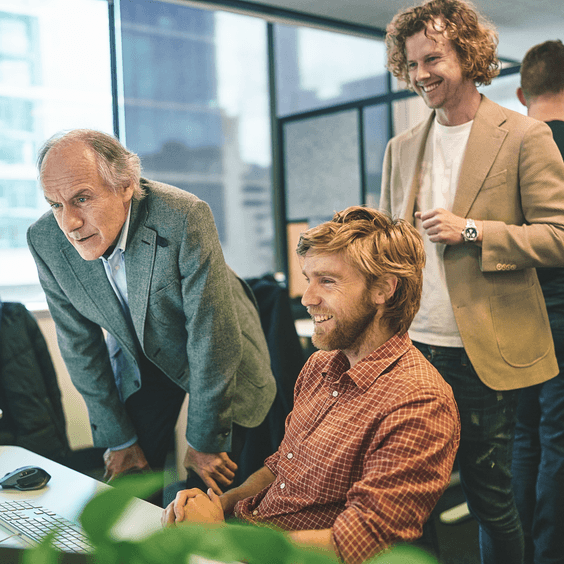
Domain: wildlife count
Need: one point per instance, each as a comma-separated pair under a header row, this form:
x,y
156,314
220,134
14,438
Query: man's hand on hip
x,y
121,461
215,468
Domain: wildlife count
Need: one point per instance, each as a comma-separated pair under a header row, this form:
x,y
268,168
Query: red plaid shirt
x,y
367,450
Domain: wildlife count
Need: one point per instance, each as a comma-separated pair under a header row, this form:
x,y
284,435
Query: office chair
x,y
286,358
30,396
29,392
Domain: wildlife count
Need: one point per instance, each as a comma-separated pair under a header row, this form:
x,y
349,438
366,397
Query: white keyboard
x,y
32,522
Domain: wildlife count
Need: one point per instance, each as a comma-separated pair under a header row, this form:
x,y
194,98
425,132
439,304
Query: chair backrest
x,y
286,358
29,392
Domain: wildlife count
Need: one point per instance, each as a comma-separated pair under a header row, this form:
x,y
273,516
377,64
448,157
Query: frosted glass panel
x,y
322,168
54,75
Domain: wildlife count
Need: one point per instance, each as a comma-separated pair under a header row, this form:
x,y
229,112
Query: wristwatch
x,y
470,232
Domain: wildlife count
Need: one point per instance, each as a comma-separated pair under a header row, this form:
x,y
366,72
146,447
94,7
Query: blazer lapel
x,y
411,157
139,263
99,296
484,143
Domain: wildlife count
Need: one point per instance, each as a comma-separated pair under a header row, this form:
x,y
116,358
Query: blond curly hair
x,y
473,38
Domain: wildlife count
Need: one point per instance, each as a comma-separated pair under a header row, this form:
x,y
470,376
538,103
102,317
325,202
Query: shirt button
x,y
335,393
282,485
290,455
255,512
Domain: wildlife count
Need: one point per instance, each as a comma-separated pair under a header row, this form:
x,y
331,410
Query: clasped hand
x,y
442,226
193,506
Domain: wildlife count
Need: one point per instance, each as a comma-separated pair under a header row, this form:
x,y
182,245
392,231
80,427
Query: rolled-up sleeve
x,y
405,472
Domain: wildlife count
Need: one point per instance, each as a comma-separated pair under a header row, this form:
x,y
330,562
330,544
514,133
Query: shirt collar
x,y
122,241
365,372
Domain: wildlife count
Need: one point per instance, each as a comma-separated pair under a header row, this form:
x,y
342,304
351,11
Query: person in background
x,y
141,262
369,446
484,186
538,456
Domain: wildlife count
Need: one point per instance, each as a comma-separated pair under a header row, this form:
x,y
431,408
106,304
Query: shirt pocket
x,y
513,316
498,179
166,306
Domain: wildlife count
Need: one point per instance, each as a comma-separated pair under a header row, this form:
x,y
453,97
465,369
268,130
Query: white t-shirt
x,y
434,323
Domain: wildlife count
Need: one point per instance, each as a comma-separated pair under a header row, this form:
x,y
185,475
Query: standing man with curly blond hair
x,y
485,186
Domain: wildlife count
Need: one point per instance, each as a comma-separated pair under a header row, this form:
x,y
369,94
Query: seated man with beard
x,y
369,446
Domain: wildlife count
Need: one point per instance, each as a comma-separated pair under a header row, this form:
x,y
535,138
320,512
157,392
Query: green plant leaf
x,y
405,554
103,511
43,553
227,543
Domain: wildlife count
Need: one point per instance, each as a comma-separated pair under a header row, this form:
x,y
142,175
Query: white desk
x,y
68,492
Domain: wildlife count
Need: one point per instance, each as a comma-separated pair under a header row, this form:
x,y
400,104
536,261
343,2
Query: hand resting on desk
x,y
194,506
124,461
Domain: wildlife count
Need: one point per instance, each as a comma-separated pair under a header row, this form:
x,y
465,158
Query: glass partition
x,y
376,137
321,166
503,91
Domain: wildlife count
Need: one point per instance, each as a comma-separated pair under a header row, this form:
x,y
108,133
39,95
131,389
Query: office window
x,y
197,112
316,68
376,137
54,75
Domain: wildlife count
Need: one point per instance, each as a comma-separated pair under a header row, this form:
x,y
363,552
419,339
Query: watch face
x,y
470,233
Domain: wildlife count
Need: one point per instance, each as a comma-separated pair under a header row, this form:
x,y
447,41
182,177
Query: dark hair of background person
x,y
542,69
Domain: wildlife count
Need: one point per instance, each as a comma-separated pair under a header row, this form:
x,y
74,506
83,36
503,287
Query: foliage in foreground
x,y
176,545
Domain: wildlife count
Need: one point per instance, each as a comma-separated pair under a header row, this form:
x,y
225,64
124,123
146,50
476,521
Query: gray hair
x,y
117,166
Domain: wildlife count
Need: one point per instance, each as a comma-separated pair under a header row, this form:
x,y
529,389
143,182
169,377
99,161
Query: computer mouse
x,y
25,478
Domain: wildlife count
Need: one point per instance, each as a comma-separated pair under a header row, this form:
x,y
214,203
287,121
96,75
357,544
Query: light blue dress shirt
x,y
114,266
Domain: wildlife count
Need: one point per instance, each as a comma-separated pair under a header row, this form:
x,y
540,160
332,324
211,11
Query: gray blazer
x,y
191,316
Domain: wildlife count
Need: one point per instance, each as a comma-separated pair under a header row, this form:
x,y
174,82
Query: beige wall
x,y
78,428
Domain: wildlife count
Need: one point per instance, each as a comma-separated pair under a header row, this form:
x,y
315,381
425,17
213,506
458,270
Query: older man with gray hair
x,y
141,262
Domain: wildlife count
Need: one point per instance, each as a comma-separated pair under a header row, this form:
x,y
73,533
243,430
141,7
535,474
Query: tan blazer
x,y
512,178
